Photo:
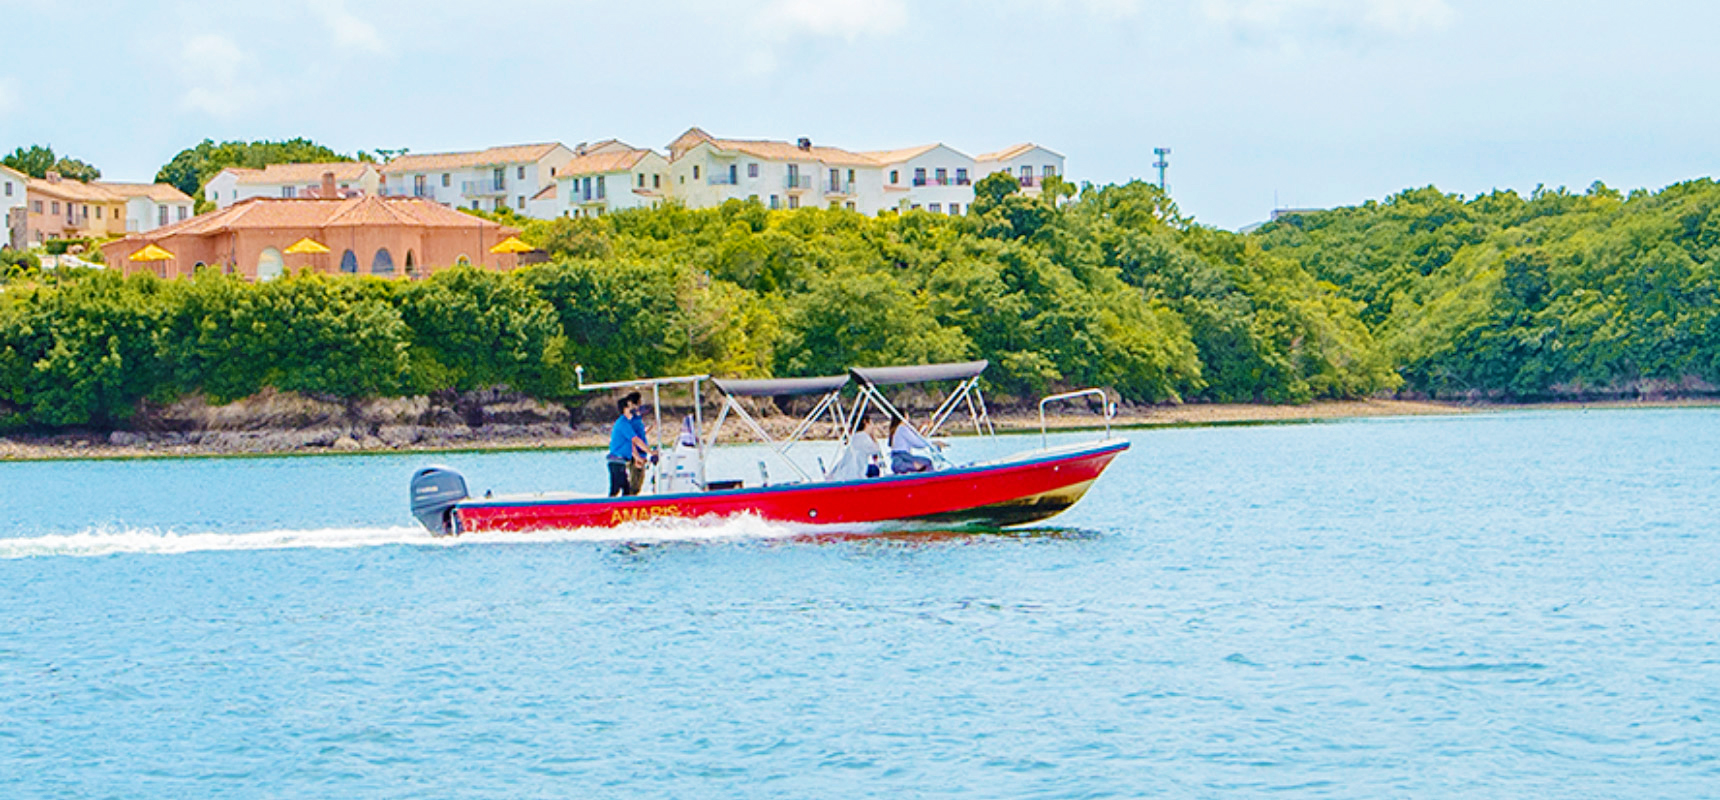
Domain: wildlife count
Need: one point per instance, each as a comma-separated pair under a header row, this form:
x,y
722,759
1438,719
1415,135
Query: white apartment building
x,y
150,205
705,171
488,180
933,177
610,178
233,184
1028,162
13,186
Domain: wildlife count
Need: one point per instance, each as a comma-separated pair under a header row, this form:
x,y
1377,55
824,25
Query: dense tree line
x,y
37,161
1555,295
1499,296
1111,288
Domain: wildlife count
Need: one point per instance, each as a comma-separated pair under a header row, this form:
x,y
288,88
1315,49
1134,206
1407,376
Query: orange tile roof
x,y
788,151
898,156
428,162
1011,152
68,189
159,192
300,173
546,193
358,211
604,161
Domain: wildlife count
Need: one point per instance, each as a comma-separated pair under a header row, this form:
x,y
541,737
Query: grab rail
x,y
1110,410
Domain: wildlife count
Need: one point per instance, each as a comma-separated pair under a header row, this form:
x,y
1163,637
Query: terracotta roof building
x,y
492,179
364,234
63,208
233,184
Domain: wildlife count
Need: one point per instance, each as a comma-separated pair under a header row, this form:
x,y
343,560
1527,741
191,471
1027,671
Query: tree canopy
x,y
37,160
192,167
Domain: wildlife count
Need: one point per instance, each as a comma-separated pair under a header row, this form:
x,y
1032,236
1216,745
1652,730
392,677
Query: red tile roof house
x,y
365,234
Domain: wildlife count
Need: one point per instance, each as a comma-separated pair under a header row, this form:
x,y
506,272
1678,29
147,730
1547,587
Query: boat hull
x,y
999,494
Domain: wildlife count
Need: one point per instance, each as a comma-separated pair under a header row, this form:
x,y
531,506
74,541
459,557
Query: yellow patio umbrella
x,y
512,244
307,245
151,253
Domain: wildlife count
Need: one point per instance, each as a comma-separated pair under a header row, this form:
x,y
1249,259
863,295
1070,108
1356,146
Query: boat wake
x,y
146,541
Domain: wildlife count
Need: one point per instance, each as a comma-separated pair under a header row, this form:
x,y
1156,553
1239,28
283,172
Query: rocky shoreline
x,y
289,424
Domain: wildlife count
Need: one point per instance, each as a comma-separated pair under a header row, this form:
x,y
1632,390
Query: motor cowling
x,y
435,491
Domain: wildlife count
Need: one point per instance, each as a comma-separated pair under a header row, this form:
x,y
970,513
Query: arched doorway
x,y
382,263
411,264
462,261
349,262
269,265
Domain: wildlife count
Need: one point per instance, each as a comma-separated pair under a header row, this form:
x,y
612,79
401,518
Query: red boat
x,y
1021,489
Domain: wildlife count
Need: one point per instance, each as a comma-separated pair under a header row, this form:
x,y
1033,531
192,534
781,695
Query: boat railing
x,y
1110,410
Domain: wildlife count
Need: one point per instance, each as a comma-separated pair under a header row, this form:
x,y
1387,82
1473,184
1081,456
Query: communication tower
x,y
1162,164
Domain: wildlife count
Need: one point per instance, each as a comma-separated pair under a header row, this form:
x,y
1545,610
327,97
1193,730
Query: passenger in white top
x,y
904,440
859,459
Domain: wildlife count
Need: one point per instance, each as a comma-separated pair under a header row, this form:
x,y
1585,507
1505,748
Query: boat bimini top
x,y
829,407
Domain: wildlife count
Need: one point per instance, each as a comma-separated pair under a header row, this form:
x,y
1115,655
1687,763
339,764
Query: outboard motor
x,y
435,490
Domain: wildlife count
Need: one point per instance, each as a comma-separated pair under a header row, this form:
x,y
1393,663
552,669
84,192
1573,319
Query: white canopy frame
x,y
966,394
656,385
829,404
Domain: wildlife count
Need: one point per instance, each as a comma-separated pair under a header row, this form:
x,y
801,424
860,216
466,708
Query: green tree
x,y
190,169
37,160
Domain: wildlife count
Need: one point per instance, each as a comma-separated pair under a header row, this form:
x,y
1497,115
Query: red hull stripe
x,y
1007,493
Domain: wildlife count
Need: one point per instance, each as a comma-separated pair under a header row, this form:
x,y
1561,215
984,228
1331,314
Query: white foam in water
x,y
157,542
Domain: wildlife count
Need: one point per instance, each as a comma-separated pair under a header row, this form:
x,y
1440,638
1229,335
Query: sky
x,y
1264,103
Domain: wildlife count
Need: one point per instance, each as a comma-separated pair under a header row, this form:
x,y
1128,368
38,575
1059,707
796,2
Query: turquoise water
x,y
1517,605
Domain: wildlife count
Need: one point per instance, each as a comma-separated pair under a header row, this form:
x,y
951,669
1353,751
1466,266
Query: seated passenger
x,y
904,440
859,458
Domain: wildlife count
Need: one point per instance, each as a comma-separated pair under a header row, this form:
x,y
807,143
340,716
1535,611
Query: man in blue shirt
x,y
626,443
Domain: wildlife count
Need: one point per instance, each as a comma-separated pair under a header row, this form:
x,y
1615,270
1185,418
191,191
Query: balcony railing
x,y
481,188
1026,180
839,187
794,182
425,191
720,179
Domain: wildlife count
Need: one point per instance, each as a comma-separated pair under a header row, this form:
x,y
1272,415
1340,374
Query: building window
x,y
600,187
955,209
500,177
849,205
56,208
1048,170
98,212
8,188
36,206
444,179
895,177
752,198
349,262
382,263
657,181
522,174
774,203
734,174
520,201
943,176
695,172
289,191
161,215
919,176
462,261
420,185
1026,174
587,190
961,176
936,208
184,212
641,180
794,201
474,205
752,170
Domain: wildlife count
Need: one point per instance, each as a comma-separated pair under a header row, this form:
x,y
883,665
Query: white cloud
x,y
1285,21
849,19
348,29
211,68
